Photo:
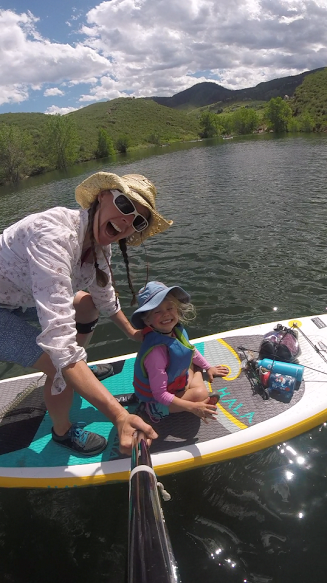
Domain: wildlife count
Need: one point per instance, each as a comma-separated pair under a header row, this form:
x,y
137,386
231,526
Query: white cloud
x,y
13,94
54,110
107,88
27,59
53,91
156,47
161,47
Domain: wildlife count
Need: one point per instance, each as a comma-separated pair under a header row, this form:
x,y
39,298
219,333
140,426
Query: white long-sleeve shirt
x,y
40,265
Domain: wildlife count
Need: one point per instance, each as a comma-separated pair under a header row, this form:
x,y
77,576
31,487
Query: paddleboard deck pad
x,y
244,423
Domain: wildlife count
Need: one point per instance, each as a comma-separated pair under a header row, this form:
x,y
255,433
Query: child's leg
x,y
195,389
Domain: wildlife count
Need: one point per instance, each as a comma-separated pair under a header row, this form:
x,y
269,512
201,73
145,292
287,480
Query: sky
x,y
56,57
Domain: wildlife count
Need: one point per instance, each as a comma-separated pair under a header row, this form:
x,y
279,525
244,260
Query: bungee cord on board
x,y
314,346
13,403
317,349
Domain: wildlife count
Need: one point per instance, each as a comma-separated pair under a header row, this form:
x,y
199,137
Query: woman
x,y
45,260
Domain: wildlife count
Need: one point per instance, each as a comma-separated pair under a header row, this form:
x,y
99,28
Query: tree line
x,y
277,117
22,153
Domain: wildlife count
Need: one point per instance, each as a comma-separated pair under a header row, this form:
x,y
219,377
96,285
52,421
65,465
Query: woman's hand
x,y
126,425
203,410
217,371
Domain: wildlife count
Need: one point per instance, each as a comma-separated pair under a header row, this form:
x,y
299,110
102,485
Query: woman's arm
x,y
83,381
123,323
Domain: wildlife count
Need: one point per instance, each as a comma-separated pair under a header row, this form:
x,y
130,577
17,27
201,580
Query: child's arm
x,y
212,371
201,409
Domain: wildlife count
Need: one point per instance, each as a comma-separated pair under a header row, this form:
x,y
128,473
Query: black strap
x,y
86,328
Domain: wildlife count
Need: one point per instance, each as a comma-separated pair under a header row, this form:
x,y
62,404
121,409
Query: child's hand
x,y
217,371
203,410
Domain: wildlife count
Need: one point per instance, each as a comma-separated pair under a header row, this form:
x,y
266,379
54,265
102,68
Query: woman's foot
x,y
102,371
80,441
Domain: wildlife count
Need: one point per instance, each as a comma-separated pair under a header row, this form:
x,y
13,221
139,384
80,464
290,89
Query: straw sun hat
x,y
136,187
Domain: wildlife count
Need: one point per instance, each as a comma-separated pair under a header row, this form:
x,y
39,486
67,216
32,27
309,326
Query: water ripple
x,y
249,235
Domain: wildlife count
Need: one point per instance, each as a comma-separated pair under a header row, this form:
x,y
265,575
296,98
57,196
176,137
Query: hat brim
x,y
88,190
178,292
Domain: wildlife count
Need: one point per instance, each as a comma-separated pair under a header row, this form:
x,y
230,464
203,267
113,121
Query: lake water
x,y
249,235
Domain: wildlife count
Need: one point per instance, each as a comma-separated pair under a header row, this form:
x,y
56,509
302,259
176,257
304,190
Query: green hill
x,y
143,121
311,98
29,146
26,121
26,149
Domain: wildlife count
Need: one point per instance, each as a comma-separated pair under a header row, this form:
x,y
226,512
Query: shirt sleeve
x,y
199,360
50,271
155,364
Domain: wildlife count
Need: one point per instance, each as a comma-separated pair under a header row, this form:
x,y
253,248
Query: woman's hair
x,y
102,278
123,248
186,312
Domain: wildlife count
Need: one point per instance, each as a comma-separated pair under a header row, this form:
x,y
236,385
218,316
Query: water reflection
x,y
250,518
249,235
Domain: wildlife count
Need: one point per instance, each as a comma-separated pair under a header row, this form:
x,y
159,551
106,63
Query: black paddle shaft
x,y
150,555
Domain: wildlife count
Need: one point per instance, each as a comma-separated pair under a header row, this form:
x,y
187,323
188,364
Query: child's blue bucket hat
x,y
150,296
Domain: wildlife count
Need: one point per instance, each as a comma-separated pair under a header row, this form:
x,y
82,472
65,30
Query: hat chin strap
x,y
164,333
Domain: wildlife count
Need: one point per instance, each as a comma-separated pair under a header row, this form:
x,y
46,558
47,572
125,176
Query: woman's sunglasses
x,y
126,207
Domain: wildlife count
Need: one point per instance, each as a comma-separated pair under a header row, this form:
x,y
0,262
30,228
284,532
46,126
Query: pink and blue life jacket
x,y
180,354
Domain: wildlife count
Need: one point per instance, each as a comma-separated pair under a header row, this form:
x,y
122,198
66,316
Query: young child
x,y
168,369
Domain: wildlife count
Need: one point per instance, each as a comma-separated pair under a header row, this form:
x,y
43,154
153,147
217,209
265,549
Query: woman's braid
x,y
123,248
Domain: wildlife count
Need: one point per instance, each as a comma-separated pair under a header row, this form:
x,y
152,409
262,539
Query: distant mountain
x,y
197,96
203,94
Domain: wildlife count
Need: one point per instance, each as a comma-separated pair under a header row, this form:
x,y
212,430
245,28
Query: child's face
x,y
164,317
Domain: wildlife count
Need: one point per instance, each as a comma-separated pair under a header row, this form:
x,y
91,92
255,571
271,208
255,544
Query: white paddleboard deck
x,y
245,422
